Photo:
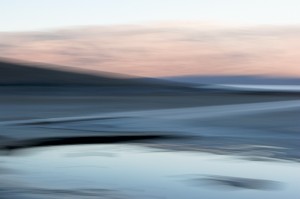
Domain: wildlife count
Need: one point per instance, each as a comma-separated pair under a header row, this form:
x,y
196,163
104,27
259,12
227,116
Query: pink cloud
x,y
164,49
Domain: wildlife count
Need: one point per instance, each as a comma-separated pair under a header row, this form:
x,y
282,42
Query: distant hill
x,y
251,80
16,74
32,79
20,74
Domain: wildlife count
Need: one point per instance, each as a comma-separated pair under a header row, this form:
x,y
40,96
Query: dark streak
x,y
240,183
45,122
46,142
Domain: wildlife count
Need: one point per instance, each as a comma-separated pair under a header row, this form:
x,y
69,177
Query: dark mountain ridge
x,y
21,74
49,80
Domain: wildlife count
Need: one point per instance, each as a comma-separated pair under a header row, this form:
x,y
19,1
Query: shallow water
x,y
130,171
254,87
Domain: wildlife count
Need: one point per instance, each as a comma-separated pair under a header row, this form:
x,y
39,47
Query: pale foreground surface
x,y
126,171
206,147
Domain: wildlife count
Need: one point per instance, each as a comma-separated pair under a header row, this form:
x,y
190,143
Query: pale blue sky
x,y
21,15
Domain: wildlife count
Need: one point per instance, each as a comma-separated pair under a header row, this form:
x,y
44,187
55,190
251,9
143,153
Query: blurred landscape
x,y
46,106
95,106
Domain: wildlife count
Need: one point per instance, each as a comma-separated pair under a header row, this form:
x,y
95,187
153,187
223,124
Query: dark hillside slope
x,y
16,74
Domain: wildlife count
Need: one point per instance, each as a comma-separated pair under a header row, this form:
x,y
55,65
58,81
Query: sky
x,y
156,37
24,15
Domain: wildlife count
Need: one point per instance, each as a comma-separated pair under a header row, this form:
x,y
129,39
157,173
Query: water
x,y
246,87
128,171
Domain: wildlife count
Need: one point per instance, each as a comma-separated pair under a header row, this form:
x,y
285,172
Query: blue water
x,y
254,87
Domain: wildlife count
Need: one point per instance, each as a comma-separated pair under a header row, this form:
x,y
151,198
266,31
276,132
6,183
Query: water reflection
x,y
35,193
127,171
239,183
